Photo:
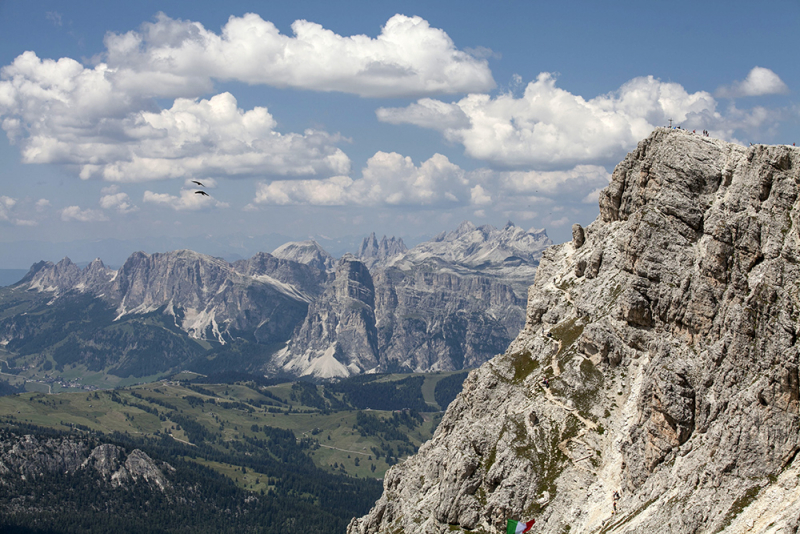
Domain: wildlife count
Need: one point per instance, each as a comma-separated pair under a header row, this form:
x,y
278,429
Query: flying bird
x,y
201,193
198,183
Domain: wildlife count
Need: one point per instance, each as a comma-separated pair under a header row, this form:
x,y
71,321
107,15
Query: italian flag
x,y
517,527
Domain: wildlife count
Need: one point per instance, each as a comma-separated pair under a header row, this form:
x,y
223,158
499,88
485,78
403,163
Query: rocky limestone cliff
x,y
659,360
207,296
442,321
509,253
29,458
65,276
447,304
454,301
338,337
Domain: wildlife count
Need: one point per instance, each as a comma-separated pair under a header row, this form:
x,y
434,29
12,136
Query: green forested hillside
x,y
198,499
298,447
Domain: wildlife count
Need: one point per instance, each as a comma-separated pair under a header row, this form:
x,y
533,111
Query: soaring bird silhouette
x,y
201,193
198,183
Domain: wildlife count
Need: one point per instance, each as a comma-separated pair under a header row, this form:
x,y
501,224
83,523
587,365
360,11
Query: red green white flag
x,y
518,527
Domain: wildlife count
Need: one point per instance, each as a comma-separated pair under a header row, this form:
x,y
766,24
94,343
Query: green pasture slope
x,y
274,452
339,435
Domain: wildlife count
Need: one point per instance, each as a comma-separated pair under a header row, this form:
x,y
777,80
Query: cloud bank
x,y
104,119
387,179
60,112
408,58
390,179
549,127
6,204
75,213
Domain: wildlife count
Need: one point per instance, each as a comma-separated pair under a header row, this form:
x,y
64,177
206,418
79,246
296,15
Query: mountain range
x,y
447,304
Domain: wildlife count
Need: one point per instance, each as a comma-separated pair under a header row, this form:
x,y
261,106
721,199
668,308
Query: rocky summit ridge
x,y
659,360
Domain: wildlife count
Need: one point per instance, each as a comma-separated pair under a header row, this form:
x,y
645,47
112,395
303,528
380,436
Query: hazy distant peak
x,y
309,252
485,246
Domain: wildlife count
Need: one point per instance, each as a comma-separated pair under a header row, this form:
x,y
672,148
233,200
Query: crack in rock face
x,y
654,386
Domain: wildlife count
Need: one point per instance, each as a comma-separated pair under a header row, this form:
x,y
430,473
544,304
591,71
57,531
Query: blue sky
x,y
399,118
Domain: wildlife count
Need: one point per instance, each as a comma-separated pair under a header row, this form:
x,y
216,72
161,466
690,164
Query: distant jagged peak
x,y
369,247
309,252
484,245
464,227
95,264
486,232
66,275
373,251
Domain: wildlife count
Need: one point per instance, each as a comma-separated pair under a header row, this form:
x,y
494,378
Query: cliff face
x,y
338,336
658,359
449,303
442,321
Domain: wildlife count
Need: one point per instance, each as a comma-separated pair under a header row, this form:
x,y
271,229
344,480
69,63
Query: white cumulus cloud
x,y
392,179
6,203
60,112
117,201
408,58
188,200
550,127
479,196
75,213
427,113
580,178
759,81
388,178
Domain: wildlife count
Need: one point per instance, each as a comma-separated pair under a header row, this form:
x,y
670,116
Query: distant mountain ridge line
x,y
432,300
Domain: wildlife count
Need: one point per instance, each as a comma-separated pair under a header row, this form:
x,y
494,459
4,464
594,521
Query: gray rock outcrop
x,y
447,304
263,298
30,458
578,236
665,368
